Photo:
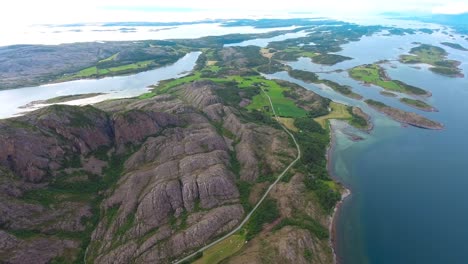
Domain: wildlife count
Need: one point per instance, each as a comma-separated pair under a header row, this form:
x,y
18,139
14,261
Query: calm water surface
x,y
114,87
409,185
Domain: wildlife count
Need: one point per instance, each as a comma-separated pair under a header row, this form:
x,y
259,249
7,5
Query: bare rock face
x,y
177,190
181,172
35,145
32,251
134,126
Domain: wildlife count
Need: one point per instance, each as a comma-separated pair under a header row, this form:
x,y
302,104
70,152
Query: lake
x,y
114,87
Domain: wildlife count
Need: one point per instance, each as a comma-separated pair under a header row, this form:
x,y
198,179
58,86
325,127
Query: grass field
x,y
222,250
332,185
266,53
99,72
132,66
284,107
111,58
300,52
288,123
370,74
165,86
338,111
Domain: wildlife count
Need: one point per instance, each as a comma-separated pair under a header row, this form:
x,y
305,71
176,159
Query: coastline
x,y
345,193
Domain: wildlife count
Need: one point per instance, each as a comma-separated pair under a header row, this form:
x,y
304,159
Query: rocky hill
x,y
134,180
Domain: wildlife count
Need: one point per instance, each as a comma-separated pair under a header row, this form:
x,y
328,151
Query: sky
x,y
28,12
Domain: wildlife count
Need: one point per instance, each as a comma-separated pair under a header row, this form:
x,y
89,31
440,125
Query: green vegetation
x,y
222,250
81,187
327,197
434,56
250,85
148,55
417,104
193,259
403,116
375,103
374,74
305,222
288,123
342,89
231,93
388,94
314,141
24,233
320,44
165,86
311,77
338,111
267,212
308,254
305,76
96,72
244,188
284,106
329,59
293,53
78,116
308,125
454,46
357,120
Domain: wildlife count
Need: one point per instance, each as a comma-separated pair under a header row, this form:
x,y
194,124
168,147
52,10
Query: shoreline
x,y
345,193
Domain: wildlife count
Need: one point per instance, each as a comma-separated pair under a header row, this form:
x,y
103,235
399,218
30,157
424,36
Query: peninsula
x,y
311,77
62,99
403,116
376,75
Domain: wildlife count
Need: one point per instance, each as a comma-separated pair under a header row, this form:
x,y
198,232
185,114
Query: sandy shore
x,y
344,194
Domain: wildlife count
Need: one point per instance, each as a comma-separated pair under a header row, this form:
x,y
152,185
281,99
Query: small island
x,y
311,77
434,56
329,59
388,94
376,75
401,116
418,104
454,46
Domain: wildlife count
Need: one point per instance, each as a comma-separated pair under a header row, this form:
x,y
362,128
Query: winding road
x,y
247,217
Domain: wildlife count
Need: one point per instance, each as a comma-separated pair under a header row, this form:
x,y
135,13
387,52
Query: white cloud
x,y
451,8
25,12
